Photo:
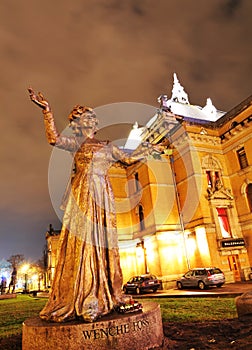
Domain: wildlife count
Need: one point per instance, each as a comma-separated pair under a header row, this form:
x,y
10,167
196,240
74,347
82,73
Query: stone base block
x,y
8,296
244,304
142,330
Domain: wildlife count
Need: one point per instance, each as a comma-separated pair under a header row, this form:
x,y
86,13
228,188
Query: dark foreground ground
x,y
226,334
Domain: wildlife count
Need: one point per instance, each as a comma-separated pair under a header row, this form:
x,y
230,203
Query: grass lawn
x,y
196,309
14,311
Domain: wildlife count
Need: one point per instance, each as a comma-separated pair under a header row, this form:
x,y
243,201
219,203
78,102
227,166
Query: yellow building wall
x,y
53,245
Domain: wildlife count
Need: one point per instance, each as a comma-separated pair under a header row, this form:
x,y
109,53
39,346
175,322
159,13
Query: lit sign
x,y
233,243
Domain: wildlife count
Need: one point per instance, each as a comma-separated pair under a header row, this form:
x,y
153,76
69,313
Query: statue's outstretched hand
x,y
39,100
158,148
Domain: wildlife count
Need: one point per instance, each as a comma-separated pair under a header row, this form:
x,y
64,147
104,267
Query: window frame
x,y
137,183
224,222
141,217
242,158
249,195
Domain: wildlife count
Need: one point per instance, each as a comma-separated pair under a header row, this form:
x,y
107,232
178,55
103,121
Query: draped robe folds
x,y
88,277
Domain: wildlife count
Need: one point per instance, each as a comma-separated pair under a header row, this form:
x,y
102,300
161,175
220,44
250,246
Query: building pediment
x,y
221,194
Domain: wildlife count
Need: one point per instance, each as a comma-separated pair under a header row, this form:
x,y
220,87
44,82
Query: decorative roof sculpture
x,y
209,109
178,92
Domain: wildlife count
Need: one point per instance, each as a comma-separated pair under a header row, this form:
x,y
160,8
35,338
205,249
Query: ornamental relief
x,y
219,192
215,188
211,163
213,140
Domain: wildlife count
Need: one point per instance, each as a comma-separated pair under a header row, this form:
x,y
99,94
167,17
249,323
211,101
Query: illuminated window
x,y
249,196
224,223
241,154
209,179
212,178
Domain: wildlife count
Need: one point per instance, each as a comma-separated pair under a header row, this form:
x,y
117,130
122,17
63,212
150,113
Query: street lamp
x,y
24,270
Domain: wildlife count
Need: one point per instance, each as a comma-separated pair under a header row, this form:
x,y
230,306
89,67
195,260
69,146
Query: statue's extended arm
x,y
146,148
53,137
141,153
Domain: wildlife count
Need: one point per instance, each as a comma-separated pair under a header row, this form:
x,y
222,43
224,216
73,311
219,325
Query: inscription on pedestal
x,y
99,333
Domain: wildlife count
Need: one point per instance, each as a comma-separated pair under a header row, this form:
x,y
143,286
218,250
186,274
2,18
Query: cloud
x,y
107,51
230,7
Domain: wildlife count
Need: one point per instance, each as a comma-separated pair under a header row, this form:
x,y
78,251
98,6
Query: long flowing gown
x,y
88,276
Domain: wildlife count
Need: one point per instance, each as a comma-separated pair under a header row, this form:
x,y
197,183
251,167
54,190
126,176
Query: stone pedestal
x,y
141,330
8,296
244,305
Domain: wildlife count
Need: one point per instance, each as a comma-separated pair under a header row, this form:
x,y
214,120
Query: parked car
x,y
202,278
142,283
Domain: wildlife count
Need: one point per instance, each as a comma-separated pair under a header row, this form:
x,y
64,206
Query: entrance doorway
x,y
234,265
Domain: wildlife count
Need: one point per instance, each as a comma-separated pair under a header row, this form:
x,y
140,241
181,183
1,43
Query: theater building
x,y
52,240
192,205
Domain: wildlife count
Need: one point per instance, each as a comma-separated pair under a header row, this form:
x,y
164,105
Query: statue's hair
x,y
79,111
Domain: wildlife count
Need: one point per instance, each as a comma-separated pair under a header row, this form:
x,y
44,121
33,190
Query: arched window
x,y
141,217
249,196
137,187
213,180
224,222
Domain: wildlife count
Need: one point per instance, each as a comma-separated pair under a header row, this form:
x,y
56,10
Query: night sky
x,y
98,53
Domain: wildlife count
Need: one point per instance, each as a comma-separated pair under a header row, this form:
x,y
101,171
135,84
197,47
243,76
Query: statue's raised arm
x,y
39,100
54,138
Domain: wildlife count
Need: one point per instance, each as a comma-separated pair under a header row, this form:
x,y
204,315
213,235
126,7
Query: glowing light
x,y
139,252
203,244
25,268
34,278
150,250
190,243
171,248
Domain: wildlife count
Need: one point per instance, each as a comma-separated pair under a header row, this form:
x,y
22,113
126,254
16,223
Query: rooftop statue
x,y
178,92
88,276
209,109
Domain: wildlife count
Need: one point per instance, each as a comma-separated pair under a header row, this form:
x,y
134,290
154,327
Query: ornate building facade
x,y
191,206
52,239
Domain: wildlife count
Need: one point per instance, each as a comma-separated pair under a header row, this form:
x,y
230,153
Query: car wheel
x,y
219,285
179,285
125,290
154,290
137,290
201,285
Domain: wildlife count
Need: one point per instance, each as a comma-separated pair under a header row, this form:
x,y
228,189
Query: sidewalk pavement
x,y
228,289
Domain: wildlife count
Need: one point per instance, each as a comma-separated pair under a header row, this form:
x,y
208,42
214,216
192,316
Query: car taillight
x,y
143,284
209,276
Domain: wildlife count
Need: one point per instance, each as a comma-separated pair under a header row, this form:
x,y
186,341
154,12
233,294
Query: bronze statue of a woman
x,y
88,276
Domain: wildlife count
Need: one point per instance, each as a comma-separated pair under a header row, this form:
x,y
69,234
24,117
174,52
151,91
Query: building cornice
x,y
205,139
234,111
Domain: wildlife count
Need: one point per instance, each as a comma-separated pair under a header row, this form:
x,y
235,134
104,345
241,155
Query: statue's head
x,y
82,119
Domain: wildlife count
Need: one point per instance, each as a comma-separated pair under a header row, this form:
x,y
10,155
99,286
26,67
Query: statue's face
x,y
74,125
85,125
